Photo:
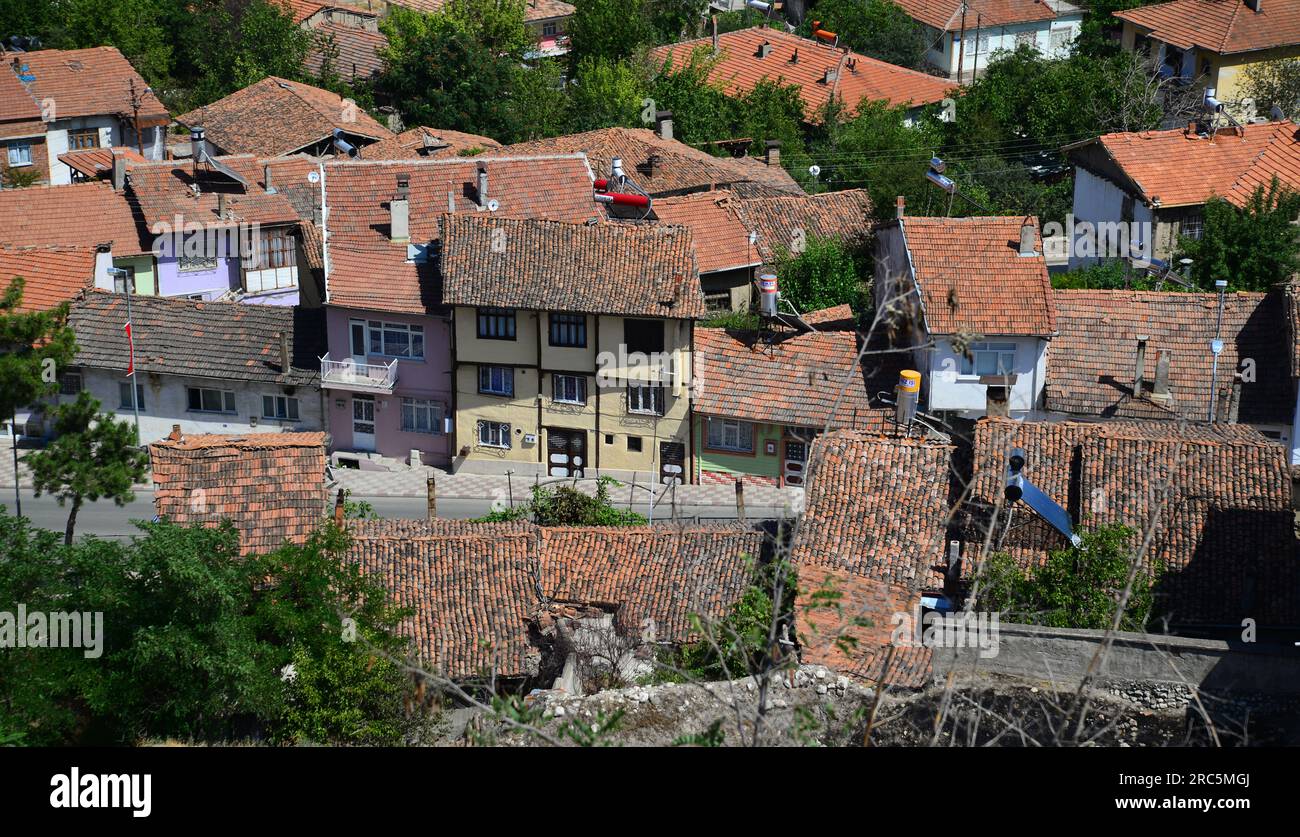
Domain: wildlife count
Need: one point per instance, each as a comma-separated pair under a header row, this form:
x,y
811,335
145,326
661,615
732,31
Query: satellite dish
x,y
313,177
493,206
814,170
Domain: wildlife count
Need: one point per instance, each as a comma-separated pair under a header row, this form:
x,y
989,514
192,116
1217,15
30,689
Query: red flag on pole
x,y
130,346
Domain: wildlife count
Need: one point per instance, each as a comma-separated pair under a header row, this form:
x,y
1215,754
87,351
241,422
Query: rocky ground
x,y
816,707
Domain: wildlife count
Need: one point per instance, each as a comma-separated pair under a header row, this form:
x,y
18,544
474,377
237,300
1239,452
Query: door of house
x,y
363,422
793,462
566,452
672,463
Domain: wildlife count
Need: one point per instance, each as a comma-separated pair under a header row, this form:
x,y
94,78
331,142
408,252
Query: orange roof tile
x,y
163,192
52,274
79,215
90,82
95,162
277,116
423,142
739,69
1181,169
721,240
945,15
17,103
1221,26
357,56
780,222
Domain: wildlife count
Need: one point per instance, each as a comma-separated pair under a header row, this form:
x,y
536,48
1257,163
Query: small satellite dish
x,y
814,170
313,177
493,206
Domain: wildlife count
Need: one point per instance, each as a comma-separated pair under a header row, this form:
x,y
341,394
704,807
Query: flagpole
x,y
128,280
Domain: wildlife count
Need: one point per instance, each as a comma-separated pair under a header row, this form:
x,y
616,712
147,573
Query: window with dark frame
x,y
496,380
70,383
644,336
282,407
569,330
124,396
496,323
204,400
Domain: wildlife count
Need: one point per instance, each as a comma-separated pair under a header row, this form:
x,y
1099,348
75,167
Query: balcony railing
x,y
361,377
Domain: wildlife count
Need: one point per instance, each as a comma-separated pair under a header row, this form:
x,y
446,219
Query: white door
x,y
363,422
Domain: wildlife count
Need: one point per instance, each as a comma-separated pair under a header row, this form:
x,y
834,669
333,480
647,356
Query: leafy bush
x,y
564,505
825,273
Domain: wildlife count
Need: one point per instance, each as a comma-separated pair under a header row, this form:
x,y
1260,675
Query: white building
x,y
971,296
968,34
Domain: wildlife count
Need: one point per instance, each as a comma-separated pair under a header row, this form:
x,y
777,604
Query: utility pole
x,y
135,118
961,50
13,434
979,18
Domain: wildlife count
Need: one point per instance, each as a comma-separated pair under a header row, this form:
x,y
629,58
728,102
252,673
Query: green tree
x,y
877,28
498,25
92,457
675,20
538,106
34,346
1274,83
702,112
606,94
133,26
1252,247
609,29
439,74
230,44
825,273
564,505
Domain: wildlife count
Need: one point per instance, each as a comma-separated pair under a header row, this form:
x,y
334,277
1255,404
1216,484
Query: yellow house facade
x,y
598,381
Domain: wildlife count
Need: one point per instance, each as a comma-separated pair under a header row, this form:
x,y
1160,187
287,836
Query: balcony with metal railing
x,y
349,374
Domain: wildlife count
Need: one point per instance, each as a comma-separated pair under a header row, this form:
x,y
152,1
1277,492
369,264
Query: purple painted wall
x,y
429,378
226,276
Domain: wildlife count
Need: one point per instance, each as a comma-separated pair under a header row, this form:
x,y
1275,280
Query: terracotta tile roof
x,y
609,268
1226,518
830,609
721,240
32,128
1293,324
799,380
17,103
52,274
973,278
270,485
357,221
1183,169
470,586
303,9
533,9
163,191
1221,26
842,216
357,56
427,143
89,82
739,69
174,336
875,507
656,576
291,177
96,162
681,168
945,15
276,116
1092,362
78,215
837,318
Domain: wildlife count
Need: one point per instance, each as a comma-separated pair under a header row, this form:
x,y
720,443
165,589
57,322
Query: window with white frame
x,y
124,396
645,398
396,339
420,415
1193,226
569,389
726,434
281,407
496,380
494,434
989,359
20,154
205,400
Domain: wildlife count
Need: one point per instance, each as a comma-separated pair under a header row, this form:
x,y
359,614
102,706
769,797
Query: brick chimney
x,y
481,185
175,435
900,206
664,124
773,152
1141,365
285,355
1160,390
713,20
266,179
119,172
399,212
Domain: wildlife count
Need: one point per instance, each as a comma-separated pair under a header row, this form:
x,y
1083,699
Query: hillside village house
x,y
1136,193
211,367
276,116
973,298
346,37
1212,43
54,101
763,397
573,346
822,73
38,216
963,36
388,371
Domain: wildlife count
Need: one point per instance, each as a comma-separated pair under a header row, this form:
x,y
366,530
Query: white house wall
x,y
948,389
944,53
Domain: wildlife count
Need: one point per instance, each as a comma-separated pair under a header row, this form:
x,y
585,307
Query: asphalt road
x,y
107,520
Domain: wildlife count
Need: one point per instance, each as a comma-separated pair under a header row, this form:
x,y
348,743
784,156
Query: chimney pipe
x,y
664,124
740,500
221,205
266,179
1141,365
900,206
431,497
655,163
764,49
119,173
1028,234
399,212
175,435
196,147
714,20
773,153
482,185
1160,390
338,509
285,356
